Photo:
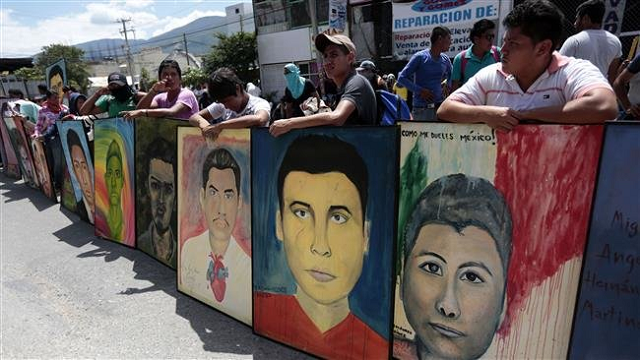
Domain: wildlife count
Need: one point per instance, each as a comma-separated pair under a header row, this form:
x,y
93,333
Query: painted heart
x,y
217,277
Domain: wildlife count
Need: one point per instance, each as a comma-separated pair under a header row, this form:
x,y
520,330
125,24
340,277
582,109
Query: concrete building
x,y
285,34
240,18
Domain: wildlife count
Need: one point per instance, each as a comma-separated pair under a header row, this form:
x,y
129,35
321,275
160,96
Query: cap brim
x,y
117,82
324,40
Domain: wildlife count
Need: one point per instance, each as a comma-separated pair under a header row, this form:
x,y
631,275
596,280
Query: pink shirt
x,y
46,118
566,79
185,97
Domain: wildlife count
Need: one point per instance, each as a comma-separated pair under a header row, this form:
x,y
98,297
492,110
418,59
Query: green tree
x,y
27,73
238,52
145,80
193,77
76,67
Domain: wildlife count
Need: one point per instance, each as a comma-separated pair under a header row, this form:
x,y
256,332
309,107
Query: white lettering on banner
x,y
413,22
337,14
613,16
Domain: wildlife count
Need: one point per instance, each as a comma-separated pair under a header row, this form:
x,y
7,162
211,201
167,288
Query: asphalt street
x,y
67,294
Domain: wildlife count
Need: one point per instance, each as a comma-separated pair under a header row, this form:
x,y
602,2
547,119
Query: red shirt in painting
x,y
281,318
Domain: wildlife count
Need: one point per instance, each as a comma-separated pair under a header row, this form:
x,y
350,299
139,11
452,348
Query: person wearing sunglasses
x,y
482,53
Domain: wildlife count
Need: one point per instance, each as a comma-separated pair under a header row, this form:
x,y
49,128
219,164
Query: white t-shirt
x,y
598,46
566,79
194,263
220,113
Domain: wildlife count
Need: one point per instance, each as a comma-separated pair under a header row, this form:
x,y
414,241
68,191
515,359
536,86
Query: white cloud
x,y
138,4
91,22
171,23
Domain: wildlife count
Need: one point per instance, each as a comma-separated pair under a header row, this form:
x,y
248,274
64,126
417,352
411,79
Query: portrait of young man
x,y
456,254
213,266
322,234
159,239
81,168
114,179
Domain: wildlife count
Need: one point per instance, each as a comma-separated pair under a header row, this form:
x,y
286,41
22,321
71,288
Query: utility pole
x,y
186,50
127,47
314,31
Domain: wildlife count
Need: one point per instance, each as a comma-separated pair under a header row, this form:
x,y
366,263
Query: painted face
x,y
220,202
518,52
25,161
336,63
57,83
82,173
114,179
42,172
234,102
161,193
453,291
322,227
170,74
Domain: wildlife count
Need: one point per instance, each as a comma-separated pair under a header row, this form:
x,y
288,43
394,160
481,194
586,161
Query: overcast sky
x,y
28,25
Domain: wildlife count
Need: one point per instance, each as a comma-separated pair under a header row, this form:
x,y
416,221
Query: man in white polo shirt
x,y
533,81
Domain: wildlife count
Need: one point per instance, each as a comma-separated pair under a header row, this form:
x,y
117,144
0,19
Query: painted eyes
x,y
336,218
339,218
301,213
432,268
471,277
468,276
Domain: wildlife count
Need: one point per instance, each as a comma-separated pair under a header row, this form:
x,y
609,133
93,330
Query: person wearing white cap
x,y
356,103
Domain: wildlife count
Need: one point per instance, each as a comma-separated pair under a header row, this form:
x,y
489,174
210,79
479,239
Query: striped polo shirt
x,y
566,79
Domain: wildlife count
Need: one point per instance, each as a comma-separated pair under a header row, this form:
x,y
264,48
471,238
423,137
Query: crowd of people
x,y
526,78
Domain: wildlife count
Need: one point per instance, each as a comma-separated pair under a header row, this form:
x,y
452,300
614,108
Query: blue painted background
x,y
371,298
607,323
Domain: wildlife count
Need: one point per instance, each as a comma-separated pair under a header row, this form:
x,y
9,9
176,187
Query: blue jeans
x,y
424,113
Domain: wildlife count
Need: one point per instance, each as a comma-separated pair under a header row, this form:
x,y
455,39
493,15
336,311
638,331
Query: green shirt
x,y
109,104
474,64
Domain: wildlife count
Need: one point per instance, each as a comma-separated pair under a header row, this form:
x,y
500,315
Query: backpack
x,y
391,108
463,58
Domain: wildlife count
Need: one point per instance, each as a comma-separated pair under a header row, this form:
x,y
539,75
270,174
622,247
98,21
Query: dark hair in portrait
x,y
220,159
460,201
317,154
162,150
223,83
73,140
114,150
56,70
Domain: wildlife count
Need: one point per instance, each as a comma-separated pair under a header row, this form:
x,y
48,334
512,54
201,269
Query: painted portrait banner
x,y
157,188
12,167
57,77
492,228
78,159
413,22
607,313
214,220
114,180
323,237
45,180
17,139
